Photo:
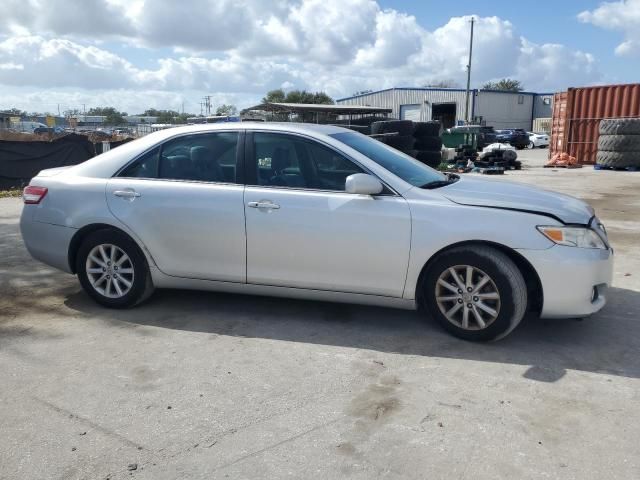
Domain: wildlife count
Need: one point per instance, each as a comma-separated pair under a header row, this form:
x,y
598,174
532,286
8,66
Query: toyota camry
x,y
316,212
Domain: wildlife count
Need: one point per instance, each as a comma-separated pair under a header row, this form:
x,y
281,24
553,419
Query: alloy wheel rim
x,y
109,270
467,297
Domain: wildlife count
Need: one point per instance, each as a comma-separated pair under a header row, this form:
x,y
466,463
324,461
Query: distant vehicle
x,y
316,212
101,134
122,131
28,126
536,140
484,135
513,136
46,129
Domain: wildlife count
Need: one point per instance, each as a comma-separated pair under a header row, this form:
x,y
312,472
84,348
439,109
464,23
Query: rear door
x,y
305,231
184,200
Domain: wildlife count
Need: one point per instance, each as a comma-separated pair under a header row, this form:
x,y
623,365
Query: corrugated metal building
x,y
499,109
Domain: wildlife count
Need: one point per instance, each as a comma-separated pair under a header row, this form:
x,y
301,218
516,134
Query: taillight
x,y
33,195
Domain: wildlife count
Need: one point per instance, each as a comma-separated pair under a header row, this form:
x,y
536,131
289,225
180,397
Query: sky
x,y
57,55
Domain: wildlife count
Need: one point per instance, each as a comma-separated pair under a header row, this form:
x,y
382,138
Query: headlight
x,y
573,237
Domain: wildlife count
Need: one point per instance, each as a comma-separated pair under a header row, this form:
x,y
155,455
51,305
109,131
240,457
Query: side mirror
x,y
363,184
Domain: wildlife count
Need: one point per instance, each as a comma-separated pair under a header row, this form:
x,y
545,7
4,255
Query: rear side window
x,y
145,167
205,157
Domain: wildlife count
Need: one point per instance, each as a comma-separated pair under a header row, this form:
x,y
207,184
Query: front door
x,y
305,231
183,201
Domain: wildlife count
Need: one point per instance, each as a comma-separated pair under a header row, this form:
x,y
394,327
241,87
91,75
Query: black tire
x,y
142,287
399,142
620,126
428,143
402,127
509,155
506,276
426,129
618,159
619,143
432,159
531,146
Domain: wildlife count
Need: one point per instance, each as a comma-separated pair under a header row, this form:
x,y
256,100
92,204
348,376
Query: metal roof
x,y
438,89
317,107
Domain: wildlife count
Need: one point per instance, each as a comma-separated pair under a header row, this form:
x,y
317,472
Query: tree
x,y
445,83
225,109
297,96
16,112
274,96
166,116
112,116
506,84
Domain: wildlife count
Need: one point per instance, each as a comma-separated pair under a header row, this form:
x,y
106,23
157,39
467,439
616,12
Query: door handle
x,y
127,194
264,204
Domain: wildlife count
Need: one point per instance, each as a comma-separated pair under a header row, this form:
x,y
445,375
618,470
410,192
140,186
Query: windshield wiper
x,y
451,178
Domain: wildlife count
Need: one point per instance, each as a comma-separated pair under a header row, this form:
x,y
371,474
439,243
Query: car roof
x,y
275,126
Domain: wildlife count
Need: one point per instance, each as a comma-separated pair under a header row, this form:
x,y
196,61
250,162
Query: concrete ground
x,y
201,385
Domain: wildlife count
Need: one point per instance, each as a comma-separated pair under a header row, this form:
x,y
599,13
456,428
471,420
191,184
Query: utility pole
x,y
207,104
466,108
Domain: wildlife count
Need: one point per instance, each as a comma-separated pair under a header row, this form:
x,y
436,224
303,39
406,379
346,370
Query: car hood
x,y
516,196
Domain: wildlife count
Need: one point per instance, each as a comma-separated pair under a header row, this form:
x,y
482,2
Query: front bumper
x,y
568,276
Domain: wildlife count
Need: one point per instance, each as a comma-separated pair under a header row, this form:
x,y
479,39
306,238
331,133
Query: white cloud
x,y
75,18
550,65
622,16
242,48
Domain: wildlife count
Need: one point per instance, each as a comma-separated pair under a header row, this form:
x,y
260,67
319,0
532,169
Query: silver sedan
x,y
316,212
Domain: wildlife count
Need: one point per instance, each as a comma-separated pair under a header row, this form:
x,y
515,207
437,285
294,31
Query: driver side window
x,y
295,162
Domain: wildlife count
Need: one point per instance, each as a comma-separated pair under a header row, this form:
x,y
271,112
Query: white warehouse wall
x,y
503,110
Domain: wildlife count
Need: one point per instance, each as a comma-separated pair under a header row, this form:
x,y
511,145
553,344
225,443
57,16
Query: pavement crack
x,y
86,421
278,444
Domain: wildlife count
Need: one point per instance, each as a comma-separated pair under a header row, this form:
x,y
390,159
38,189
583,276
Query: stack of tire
x,y
428,144
619,143
499,158
395,133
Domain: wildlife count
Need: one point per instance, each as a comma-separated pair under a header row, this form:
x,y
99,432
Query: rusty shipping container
x,y
577,113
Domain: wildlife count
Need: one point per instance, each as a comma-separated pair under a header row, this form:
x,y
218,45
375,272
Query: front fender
x,y
437,226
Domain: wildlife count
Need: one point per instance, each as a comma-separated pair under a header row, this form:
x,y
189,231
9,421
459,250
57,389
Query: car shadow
x,y
607,342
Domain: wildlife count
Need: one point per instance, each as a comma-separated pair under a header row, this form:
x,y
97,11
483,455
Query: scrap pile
x,y
564,160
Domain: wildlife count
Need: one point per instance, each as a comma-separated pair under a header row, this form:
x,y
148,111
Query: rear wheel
x,y
475,292
532,145
112,269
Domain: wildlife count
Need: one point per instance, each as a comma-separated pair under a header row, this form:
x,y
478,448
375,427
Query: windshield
x,y
401,165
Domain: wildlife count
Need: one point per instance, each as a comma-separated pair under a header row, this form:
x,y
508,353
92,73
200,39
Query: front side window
x,y
401,165
204,157
290,161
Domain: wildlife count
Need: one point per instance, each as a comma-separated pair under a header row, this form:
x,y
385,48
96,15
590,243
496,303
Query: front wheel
x,y
475,292
113,270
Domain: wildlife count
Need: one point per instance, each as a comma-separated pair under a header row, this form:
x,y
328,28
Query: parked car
x,y
48,130
513,136
538,140
315,212
27,126
484,135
